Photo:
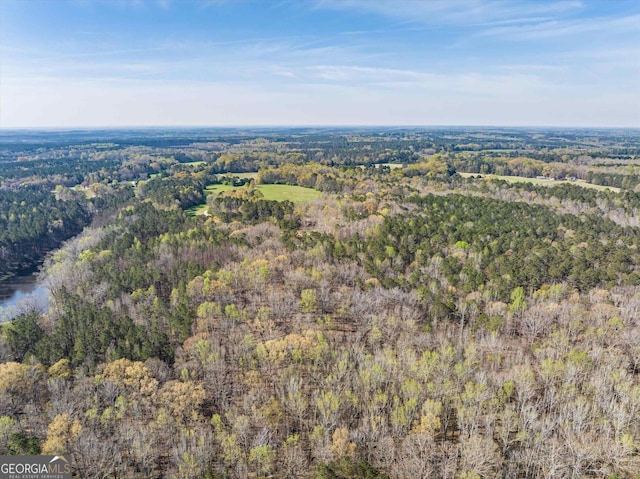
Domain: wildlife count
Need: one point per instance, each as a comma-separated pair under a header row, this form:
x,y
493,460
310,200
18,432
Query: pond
x,y
20,293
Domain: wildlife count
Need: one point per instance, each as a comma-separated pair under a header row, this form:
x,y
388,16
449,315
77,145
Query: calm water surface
x,y
20,293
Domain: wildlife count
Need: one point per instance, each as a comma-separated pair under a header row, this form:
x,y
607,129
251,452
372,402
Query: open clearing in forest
x,y
392,166
539,181
197,210
250,175
295,194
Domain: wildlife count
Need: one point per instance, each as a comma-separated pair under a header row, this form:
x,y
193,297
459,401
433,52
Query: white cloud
x,y
470,99
456,11
555,28
523,79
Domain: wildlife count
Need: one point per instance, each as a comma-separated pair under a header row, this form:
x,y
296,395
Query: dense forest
x,y
411,322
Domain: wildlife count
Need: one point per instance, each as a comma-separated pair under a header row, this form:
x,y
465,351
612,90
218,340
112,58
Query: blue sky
x,y
319,62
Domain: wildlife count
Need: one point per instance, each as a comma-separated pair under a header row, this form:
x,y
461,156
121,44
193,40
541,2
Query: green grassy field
x,y
218,189
537,181
292,193
215,189
251,175
295,194
197,210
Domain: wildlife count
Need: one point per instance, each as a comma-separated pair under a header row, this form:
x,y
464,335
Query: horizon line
x,y
292,126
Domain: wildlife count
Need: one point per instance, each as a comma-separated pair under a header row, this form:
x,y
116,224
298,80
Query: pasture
x,y
295,194
539,181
